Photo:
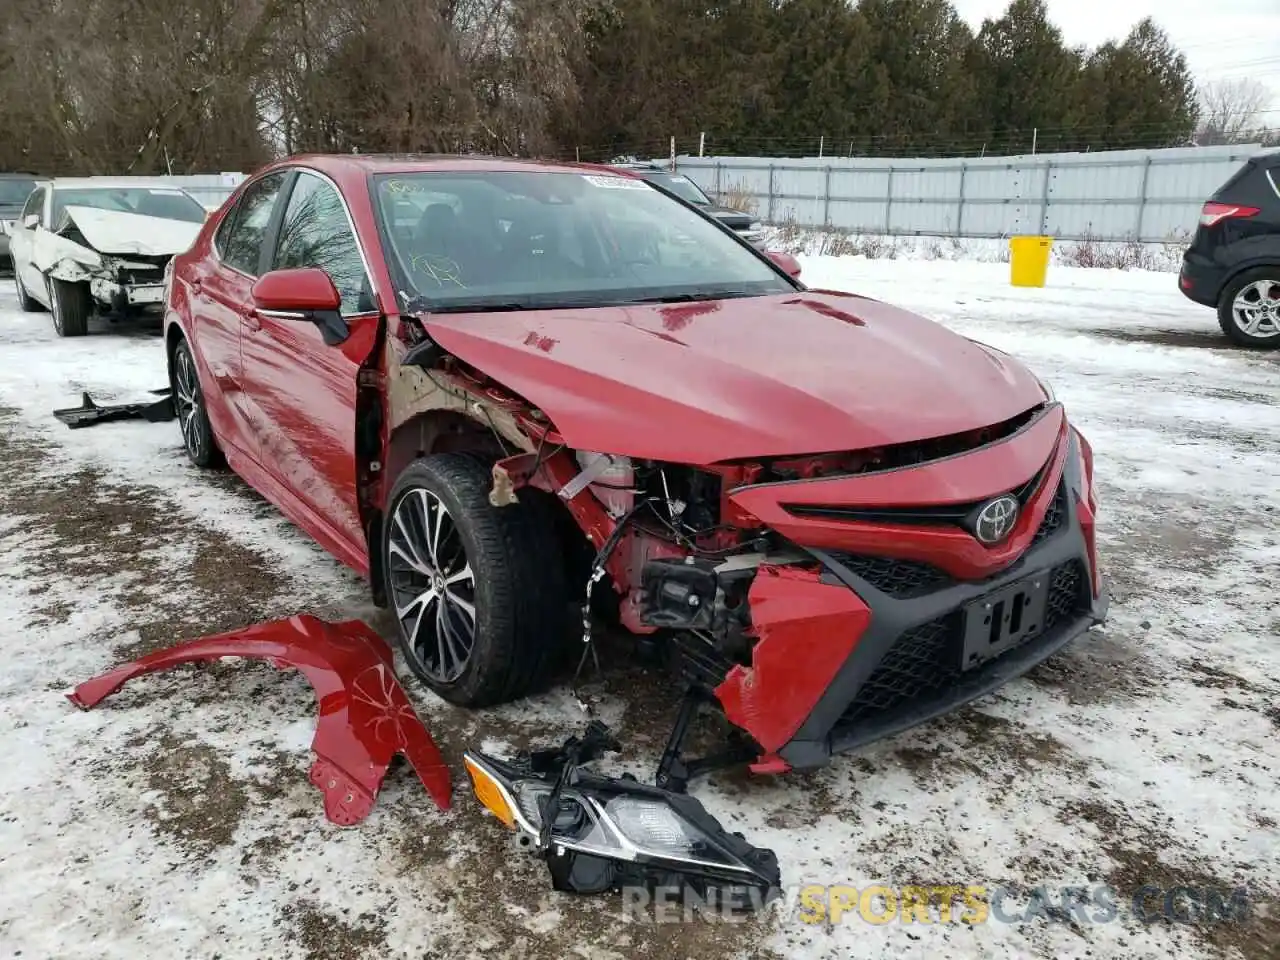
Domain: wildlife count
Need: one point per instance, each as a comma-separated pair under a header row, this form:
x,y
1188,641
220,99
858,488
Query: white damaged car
x,y
99,246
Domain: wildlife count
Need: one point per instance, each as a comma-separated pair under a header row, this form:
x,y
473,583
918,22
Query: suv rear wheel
x,y
1249,309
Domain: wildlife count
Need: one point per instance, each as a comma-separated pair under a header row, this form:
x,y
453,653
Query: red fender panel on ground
x,y
365,717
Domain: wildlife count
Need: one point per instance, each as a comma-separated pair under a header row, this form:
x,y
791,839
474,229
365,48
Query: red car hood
x,y
720,380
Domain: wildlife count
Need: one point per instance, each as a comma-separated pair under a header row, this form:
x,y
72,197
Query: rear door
x,y
302,391
221,305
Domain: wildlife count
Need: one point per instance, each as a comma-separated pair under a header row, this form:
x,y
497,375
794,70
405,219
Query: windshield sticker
x,y
615,183
679,179
406,186
440,269
161,191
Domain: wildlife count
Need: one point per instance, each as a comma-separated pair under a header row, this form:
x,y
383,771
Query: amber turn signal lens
x,y
489,792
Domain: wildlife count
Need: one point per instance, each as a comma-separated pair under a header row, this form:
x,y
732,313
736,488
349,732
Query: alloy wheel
x,y
186,402
55,307
433,588
1256,308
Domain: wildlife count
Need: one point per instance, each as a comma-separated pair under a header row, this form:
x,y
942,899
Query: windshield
x,y
527,240
14,192
681,186
167,203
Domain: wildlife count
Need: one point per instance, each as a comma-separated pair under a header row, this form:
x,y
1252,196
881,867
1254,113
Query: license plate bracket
x,y
1004,618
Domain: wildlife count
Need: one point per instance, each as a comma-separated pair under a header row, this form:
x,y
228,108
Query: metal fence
x,y
209,188
1148,195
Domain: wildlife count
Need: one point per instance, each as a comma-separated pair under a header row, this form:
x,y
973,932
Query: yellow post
x,y
1029,260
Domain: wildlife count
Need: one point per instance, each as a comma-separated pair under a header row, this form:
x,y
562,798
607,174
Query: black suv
x,y
1234,261
740,223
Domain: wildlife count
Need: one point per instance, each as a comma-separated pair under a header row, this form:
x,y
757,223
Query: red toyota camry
x,y
518,396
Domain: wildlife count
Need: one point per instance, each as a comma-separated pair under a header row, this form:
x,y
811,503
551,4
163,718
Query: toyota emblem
x,y
996,519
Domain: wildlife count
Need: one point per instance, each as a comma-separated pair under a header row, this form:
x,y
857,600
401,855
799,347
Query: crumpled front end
x,y
900,612
100,248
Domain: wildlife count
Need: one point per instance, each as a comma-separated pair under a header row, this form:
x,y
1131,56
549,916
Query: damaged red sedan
x,y
510,392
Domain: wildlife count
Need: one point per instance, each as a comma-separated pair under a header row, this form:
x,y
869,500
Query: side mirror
x,y
786,261
304,293
31,221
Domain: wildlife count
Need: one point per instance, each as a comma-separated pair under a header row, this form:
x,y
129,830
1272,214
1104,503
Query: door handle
x,y
251,321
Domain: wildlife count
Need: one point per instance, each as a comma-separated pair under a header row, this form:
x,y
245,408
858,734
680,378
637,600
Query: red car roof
x,y
346,167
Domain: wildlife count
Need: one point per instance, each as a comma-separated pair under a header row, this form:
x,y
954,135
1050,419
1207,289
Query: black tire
x,y
71,305
189,406
522,616
27,302
1226,312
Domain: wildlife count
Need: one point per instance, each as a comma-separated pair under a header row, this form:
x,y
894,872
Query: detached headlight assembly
x,y
601,833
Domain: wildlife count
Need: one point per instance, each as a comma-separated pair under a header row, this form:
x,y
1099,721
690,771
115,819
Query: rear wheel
x,y
189,406
70,304
478,591
1249,310
28,303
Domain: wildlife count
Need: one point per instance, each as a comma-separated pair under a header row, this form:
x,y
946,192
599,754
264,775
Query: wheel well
x,y
446,431
438,431
171,338
1235,275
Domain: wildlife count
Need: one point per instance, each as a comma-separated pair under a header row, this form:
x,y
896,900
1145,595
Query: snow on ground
x,y
176,819
1109,254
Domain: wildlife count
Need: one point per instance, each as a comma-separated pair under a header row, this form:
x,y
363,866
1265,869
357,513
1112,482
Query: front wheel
x,y
478,591
70,304
1249,311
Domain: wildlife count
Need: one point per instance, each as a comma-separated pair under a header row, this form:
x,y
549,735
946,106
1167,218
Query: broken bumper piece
x,y
600,834
365,717
89,412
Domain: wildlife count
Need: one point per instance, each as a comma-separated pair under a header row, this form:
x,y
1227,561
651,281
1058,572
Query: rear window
x,y
1235,179
1255,184
14,191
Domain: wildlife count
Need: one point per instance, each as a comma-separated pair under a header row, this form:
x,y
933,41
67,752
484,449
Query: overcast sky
x,y
1223,39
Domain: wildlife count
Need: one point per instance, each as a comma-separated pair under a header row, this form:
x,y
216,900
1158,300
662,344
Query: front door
x,y
22,246
302,391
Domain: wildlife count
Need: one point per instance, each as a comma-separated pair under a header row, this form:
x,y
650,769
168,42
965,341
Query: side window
x,y
223,234
315,232
34,204
243,241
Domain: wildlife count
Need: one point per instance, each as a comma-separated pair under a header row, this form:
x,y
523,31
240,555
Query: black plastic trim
x,y
1049,405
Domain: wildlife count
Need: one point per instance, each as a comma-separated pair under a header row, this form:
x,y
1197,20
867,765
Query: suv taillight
x,y
1212,213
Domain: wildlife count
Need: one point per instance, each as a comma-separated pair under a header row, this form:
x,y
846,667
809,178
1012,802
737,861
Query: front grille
x,y
905,579
1054,517
955,514
898,578
924,663
131,277
1066,594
